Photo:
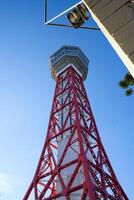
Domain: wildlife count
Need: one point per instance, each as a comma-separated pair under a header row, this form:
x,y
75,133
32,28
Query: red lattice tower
x,y
73,163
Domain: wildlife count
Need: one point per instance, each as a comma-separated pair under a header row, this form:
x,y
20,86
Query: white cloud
x,y
5,183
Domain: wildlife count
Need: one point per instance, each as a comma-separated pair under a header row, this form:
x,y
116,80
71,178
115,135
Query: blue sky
x,y
26,92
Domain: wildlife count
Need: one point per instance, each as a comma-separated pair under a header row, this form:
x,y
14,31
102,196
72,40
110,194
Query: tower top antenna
x,y
69,56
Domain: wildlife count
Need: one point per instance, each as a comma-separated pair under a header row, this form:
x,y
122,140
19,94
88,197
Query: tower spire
x,y
73,163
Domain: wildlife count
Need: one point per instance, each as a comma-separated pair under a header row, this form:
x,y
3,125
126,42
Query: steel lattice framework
x,y
98,180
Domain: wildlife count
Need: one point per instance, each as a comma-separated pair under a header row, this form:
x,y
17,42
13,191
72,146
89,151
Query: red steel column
x,y
92,176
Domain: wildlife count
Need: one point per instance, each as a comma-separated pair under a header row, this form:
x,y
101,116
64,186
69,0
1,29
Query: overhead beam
x,y
116,21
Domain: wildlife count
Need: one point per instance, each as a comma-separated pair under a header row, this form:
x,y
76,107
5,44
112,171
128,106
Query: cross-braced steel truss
x,y
73,163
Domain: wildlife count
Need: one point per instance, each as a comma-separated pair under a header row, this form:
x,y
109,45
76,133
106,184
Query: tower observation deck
x,y
66,56
73,164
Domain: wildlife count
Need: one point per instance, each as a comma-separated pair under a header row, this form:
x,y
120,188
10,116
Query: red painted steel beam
x,y
78,128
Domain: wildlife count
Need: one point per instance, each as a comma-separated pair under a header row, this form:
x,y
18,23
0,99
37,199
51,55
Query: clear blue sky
x,y
26,92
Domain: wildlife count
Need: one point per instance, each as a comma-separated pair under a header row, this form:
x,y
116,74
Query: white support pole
x,y
59,15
